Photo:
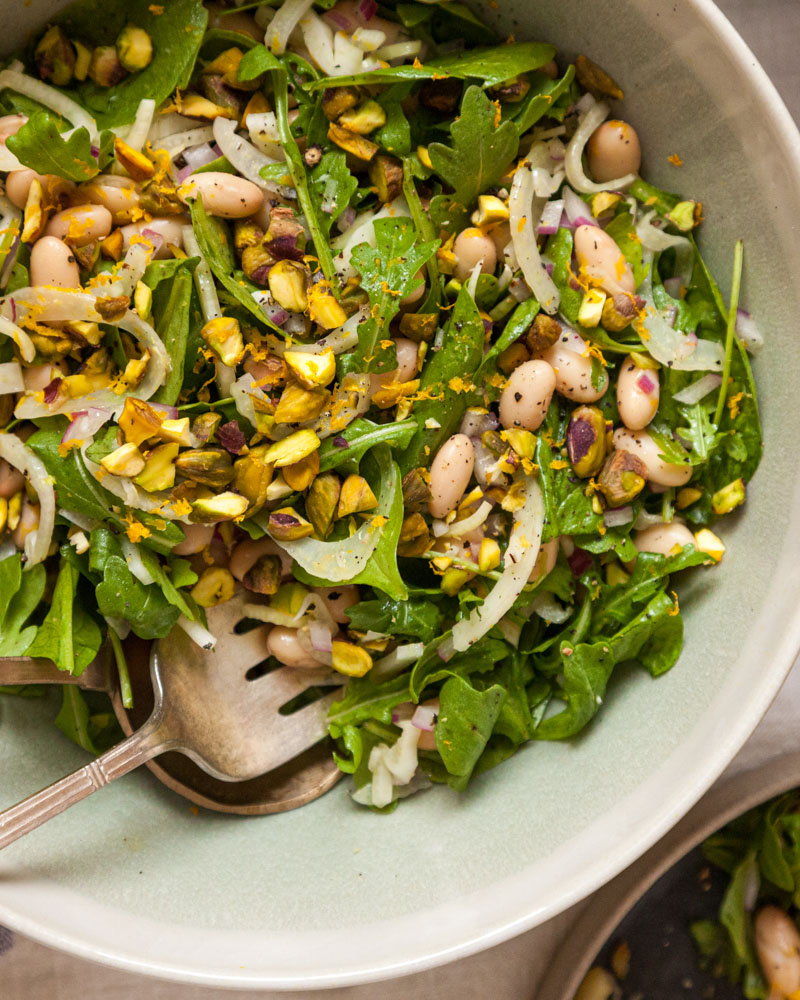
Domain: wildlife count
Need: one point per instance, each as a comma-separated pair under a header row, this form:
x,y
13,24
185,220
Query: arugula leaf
x,y
172,318
539,100
20,594
331,188
363,700
466,719
40,146
68,636
421,620
481,150
94,732
361,435
491,65
445,380
176,29
586,668
388,274
622,230
478,659
518,324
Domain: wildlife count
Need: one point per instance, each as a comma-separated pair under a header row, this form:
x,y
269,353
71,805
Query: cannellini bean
x,y
169,229
225,195
242,23
28,522
248,552
603,261
198,537
18,184
10,125
338,600
662,473
613,150
500,235
545,561
524,401
778,948
119,195
53,263
471,246
11,480
638,393
663,539
407,352
573,372
414,297
81,225
450,473
283,644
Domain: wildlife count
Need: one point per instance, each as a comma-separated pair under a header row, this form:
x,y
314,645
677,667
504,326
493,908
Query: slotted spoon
x,y
207,708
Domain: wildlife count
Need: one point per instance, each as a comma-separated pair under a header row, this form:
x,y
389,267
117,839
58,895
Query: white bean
x,y
169,229
242,23
283,644
119,195
573,372
28,522
527,394
407,352
80,225
225,195
778,948
545,561
638,392
450,473
640,444
198,537
18,184
471,246
11,480
53,263
601,259
247,553
663,539
10,125
613,150
338,600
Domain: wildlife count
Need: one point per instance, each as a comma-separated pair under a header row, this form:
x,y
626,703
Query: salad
x,y
370,312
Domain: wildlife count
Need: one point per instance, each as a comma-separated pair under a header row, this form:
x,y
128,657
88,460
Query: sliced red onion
x,y
367,9
346,219
11,378
620,515
341,22
184,172
698,390
551,218
748,332
425,718
557,150
321,640
155,238
579,561
645,383
403,711
199,156
576,209
85,424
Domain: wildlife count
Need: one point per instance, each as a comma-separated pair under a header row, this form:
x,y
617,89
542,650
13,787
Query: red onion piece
x,y
367,9
155,238
184,172
339,20
320,634
645,383
620,515
51,390
577,210
551,218
424,718
85,424
579,562
346,219
165,412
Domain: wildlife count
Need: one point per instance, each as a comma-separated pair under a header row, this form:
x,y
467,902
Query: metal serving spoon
x,y
208,708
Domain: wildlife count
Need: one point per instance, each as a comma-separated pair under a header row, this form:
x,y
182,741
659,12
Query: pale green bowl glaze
x,y
333,894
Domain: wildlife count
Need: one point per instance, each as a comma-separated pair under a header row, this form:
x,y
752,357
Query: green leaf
x,y
465,723
331,187
491,65
518,324
121,595
20,594
480,152
388,274
421,620
539,100
364,700
40,146
586,668
622,230
361,435
73,719
69,636
171,320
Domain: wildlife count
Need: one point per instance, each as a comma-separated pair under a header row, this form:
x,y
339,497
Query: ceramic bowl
x,y
331,894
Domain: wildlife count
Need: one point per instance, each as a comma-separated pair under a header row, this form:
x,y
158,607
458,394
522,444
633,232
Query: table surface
x,y
30,971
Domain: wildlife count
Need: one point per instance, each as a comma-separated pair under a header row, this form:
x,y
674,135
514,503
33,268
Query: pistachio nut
x,y
226,65
356,497
353,143
134,163
512,357
619,311
587,438
289,598
113,245
386,174
590,311
223,507
257,262
622,478
125,461
414,537
544,332
687,496
511,91
523,442
176,430
138,421
321,500
323,307
301,475
364,118
3,513
454,578
105,68
134,48
264,576
219,93
246,233
83,57
286,525
224,336
594,79
349,659
112,307
288,284
337,100
712,545
312,370
55,57
253,476
416,490
205,425
14,511
159,468
209,466
215,586
489,555
292,448
297,404
419,327
490,209
729,497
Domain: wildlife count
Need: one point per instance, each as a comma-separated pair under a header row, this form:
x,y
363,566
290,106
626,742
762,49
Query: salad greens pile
x,y
269,274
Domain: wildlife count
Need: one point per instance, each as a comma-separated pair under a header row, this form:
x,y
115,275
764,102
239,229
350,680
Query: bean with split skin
x,y
283,644
338,600
198,537
450,474
613,150
247,553
573,373
663,539
638,392
600,259
778,949
53,263
640,444
407,352
225,195
472,246
527,394
18,184
427,740
80,225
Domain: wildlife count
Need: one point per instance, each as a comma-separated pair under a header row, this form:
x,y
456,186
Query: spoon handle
x,y
25,816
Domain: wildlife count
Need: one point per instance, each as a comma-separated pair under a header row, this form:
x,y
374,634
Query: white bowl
x,y
332,894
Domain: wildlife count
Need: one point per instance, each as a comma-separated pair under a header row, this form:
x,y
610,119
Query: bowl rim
x,y
629,846
610,905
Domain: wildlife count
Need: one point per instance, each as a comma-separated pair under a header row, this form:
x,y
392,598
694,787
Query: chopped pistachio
x,y
112,307
289,598
414,537
454,579
598,983
3,513
490,209
246,233
297,404
288,285
416,491
220,94
363,119
197,106
349,659
224,336
301,475
644,361
706,541
134,371
85,332
312,370
292,448
321,501
323,307
594,79
489,555
587,440
55,57
83,57
511,91
257,262
286,525
204,426
424,157
604,203
14,511
337,100
176,430
215,586
135,164
264,576
35,214
253,477
139,421
356,497
622,478
615,574
125,461
105,67
159,468
544,332
352,142
223,507
112,246
619,311
134,48
729,497
590,311
209,466
512,357
386,174
278,489
143,300
226,65
686,215
523,442
419,326
687,496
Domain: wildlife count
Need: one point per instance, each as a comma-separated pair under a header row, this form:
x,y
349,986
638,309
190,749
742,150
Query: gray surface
x,y
31,972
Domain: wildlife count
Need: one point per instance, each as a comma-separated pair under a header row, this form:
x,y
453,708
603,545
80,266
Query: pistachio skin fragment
x,y
264,576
